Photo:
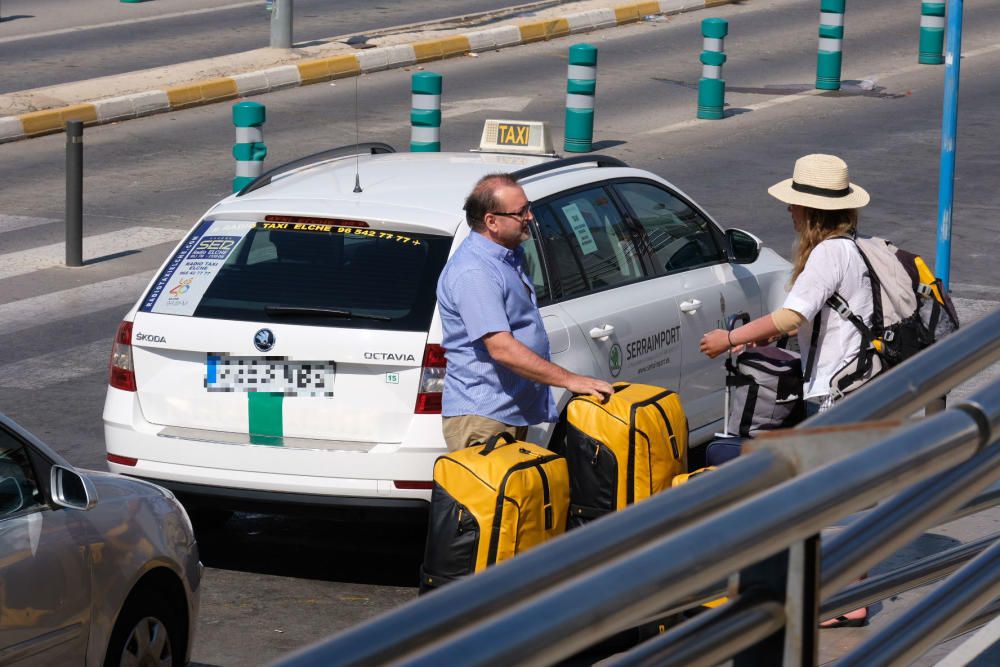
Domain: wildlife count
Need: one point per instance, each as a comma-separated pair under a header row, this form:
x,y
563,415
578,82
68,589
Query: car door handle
x,y
690,306
601,333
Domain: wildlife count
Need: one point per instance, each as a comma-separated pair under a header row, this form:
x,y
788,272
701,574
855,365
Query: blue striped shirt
x,y
483,289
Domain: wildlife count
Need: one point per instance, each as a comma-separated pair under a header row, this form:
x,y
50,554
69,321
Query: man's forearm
x,y
518,357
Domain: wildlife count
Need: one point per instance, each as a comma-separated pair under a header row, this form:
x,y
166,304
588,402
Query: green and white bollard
x,y
249,150
425,113
581,84
931,33
712,87
831,39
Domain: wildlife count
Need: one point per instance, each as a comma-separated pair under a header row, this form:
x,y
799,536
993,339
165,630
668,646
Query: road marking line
x,y
144,19
798,97
11,223
70,303
100,245
968,287
55,367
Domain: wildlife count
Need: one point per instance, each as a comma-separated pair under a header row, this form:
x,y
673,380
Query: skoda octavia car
x,y
288,351
95,568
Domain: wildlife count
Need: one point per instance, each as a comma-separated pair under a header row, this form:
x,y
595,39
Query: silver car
x,y
95,568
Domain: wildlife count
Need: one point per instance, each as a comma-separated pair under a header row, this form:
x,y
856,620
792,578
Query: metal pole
x,y
934,617
74,193
949,128
281,24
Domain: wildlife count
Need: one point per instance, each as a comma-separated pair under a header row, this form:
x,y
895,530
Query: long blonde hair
x,y
819,226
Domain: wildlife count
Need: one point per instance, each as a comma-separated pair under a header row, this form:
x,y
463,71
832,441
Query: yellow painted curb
x,y
324,69
633,13
537,31
201,92
435,49
54,120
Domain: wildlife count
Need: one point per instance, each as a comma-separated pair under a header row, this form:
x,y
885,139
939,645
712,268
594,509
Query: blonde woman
x,y
824,207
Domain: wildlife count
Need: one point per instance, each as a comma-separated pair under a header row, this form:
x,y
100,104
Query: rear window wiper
x,y
309,311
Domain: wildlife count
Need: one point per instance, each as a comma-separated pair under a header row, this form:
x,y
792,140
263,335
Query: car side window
x,y
18,487
678,236
589,246
535,270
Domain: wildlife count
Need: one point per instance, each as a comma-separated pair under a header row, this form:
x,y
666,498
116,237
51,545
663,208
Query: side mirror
x,y
72,490
11,496
742,247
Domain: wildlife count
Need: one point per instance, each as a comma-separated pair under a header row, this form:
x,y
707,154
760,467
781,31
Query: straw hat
x,y
820,181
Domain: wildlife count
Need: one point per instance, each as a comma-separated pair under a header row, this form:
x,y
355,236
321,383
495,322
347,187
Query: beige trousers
x,y
465,430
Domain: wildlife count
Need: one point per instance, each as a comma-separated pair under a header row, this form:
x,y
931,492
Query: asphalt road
x,y
274,584
47,42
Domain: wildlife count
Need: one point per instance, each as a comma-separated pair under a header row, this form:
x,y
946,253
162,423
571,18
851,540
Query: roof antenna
x,y
357,141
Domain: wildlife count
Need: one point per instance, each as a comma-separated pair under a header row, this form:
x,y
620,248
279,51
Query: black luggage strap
x,y
491,444
586,512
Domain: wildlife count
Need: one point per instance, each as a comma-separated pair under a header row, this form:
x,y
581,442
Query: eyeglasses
x,y
519,215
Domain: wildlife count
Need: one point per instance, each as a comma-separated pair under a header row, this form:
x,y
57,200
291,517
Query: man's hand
x,y
581,384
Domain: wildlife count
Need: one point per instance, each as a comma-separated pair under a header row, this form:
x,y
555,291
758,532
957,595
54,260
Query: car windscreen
x,y
301,273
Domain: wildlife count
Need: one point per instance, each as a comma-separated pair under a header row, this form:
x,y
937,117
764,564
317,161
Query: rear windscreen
x,y
315,274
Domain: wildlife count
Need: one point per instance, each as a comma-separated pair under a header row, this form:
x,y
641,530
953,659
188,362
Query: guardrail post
x,y
931,32
831,39
712,87
581,84
281,23
791,578
74,193
425,112
249,149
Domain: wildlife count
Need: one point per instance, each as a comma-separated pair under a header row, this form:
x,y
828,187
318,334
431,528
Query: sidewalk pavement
x,y
40,111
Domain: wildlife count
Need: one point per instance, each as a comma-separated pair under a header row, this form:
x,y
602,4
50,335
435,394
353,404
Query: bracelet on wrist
x,y
729,337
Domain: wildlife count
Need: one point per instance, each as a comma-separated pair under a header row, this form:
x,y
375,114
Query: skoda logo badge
x,y
615,360
263,340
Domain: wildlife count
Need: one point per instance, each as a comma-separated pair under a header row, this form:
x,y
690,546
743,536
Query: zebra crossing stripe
x,y
70,303
135,238
55,367
12,223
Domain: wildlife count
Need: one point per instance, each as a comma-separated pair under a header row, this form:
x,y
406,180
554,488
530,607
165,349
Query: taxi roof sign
x,y
516,136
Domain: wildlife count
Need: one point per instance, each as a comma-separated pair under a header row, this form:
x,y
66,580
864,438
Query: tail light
x,y
431,381
120,372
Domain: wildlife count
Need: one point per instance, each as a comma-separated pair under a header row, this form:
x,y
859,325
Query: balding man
x,y
499,371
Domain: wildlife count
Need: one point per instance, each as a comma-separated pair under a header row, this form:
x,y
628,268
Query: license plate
x,y
272,375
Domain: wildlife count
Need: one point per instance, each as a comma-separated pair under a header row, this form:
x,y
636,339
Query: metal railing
x,y
758,517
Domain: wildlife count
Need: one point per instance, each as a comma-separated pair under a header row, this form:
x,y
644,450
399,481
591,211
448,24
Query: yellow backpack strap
x,y
928,282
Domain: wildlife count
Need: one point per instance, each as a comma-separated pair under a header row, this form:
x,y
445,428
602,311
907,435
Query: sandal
x,y
844,622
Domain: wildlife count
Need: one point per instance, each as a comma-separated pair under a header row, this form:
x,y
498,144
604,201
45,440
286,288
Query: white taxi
x,y
288,351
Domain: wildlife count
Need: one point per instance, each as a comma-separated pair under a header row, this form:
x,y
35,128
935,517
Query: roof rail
x,y
601,160
370,148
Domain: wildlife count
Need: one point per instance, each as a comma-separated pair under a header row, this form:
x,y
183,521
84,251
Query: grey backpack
x,y
765,388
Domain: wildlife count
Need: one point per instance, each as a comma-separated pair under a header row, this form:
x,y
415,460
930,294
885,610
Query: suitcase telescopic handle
x,y
491,444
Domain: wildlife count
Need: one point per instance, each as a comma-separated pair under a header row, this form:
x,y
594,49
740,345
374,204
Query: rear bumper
x,y
288,473
195,496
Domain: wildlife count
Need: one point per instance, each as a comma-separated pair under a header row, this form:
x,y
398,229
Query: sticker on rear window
x,y
183,282
334,229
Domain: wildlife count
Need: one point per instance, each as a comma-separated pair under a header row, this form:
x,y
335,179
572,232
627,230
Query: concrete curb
x,y
316,70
